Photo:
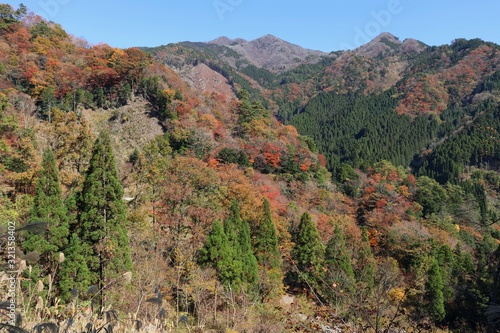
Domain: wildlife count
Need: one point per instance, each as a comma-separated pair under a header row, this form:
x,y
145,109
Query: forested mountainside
x,y
354,103
353,191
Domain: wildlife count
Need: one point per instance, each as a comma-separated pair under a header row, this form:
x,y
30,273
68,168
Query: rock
x,y
301,317
328,329
286,301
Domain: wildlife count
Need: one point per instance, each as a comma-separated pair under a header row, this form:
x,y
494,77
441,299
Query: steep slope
x,y
203,78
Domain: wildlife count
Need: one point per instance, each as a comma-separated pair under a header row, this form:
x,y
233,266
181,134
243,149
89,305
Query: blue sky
x,y
327,25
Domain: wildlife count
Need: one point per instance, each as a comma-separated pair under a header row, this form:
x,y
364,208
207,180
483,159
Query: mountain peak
x,y
387,42
269,37
270,52
226,41
382,43
387,35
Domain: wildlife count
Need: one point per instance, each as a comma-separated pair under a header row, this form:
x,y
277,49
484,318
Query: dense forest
x,y
358,193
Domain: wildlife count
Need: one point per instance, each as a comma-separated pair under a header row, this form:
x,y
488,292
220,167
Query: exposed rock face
x,y
203,78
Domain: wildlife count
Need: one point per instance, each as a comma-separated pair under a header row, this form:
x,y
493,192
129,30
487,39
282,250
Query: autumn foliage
x,y
227,214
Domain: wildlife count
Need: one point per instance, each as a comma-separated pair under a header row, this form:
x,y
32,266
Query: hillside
x,y
433,90
167,189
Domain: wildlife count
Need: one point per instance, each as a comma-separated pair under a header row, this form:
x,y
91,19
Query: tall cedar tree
x,y
232,227
434,290
266,241
462,282
365,272
75,275
218,253
250,266
308,252
103,216
340,276
245,269
48,206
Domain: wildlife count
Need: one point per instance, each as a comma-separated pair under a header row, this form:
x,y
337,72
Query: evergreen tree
x,y
430,195
238,234
434,292
229,250
248,112
248,260
462,305
48,206
268,255
103,216
100,98
218,253
266,241
484,284
338,264
75,274
444,257
365,267
308,251
232,229
47,103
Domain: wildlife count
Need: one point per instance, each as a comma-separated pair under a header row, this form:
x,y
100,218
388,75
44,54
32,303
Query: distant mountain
x,y
270,52
225,41
284,69
387,43
358,92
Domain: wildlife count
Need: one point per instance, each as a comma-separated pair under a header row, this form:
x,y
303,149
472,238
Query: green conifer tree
x,y
434,292
462,266
232,229
238,234
75,274
228,249
218,253
465,294
248,260
48,206
268,255
365,272
340,277
103,216
308,252
266,241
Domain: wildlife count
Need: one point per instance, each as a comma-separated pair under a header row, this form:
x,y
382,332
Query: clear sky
x,y
327,25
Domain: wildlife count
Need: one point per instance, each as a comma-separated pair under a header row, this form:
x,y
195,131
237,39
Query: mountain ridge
x,y
387,42
270,52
